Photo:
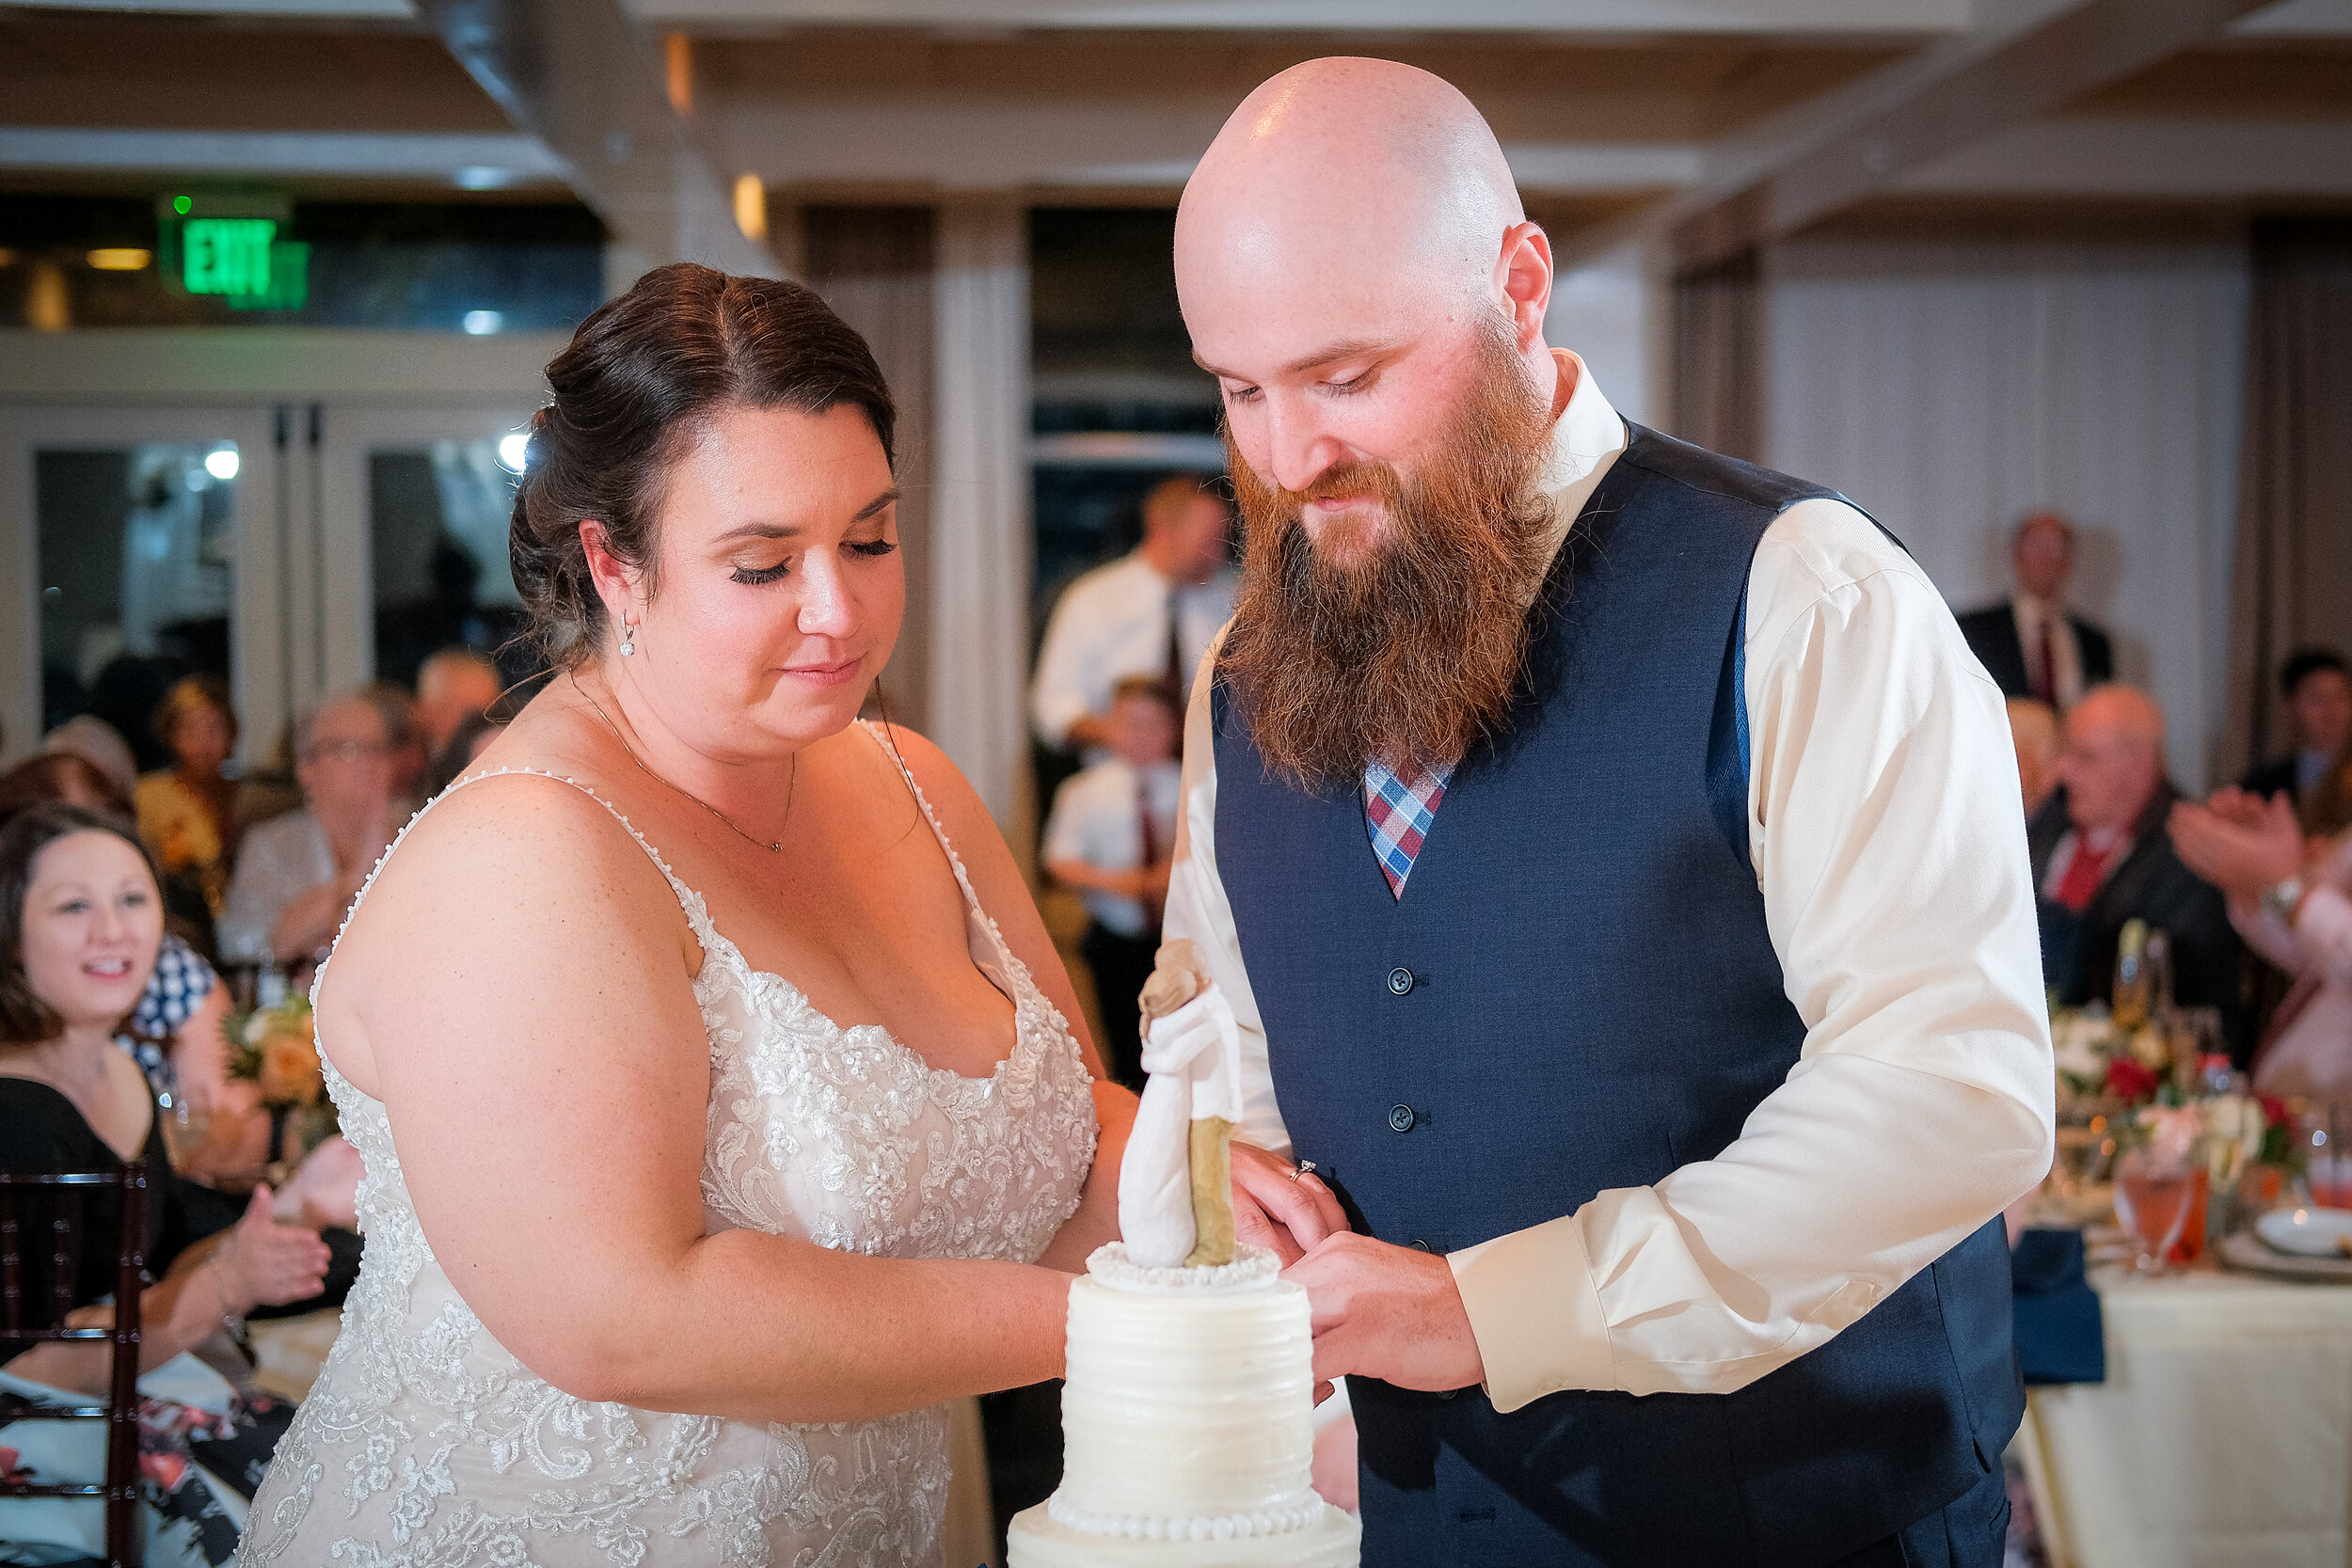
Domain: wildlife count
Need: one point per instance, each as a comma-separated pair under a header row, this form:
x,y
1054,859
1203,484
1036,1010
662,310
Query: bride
x,y
706,1049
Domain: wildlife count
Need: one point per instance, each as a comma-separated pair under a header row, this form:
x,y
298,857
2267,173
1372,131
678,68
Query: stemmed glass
x,y
2151,1198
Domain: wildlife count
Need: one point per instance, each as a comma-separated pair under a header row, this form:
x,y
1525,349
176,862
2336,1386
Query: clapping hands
x,y
2238,842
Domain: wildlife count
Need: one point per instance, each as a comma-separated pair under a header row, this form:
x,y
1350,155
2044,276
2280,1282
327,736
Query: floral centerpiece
x,y
2104,1069
276,1050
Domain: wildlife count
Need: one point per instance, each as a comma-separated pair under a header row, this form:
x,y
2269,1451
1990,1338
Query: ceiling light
x,y
221,463
482,178
513,447
120,259
482,323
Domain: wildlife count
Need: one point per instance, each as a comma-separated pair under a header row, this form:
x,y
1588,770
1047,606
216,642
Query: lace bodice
x,y
426,1445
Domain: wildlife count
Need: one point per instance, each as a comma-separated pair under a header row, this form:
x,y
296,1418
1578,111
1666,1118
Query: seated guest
x,y
2101,857
404,743
453,686
176,1034
2291,898
463,748
1112,835
2033,730
81,918
2033,645
2317,686
1148,613
297,873
100,745
188,812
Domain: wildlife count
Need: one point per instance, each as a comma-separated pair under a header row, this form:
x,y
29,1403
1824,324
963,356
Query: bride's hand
x,y
1279,1209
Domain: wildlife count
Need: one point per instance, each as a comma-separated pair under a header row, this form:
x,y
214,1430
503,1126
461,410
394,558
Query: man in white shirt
x,y
2033,645
1612,855
1111,835
1150,613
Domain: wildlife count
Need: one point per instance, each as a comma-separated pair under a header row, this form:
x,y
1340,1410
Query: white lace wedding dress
x,y
426,1445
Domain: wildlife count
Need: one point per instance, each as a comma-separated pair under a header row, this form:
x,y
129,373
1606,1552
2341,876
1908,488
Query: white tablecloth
x,y
2222,1438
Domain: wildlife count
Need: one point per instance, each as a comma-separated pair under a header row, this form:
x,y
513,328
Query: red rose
x,y
2129,1080
2274,1111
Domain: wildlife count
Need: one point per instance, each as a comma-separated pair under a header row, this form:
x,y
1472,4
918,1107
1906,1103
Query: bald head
x,y
1378,169
1349,247
2112,761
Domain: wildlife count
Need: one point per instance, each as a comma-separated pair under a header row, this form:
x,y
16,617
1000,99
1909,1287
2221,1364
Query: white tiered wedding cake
x,y
1186,1426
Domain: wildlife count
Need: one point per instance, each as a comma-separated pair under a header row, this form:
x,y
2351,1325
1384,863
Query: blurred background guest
x,y
2317,686
297,873
187,812
175,1035
2288,898
1150,613
406,754
2101,857
452,686
2033,728
459,753
1112,836
81,922
99,743
2033,645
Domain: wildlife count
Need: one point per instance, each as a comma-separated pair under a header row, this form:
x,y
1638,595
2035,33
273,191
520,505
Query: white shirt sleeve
x,y
1058,695
1889,843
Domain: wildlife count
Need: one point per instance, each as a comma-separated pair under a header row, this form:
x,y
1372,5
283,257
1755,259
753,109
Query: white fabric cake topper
x,y
1193,1055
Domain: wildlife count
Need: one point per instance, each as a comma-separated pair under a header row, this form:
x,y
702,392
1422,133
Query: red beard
x,y
1406,652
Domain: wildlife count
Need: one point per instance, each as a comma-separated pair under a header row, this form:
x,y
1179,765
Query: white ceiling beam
x,y
2187,160
466,161
581,77
1551,18
2030,60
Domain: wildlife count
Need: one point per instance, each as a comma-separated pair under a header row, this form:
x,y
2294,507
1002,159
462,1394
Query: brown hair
x,y
43,780
643,375
25,1018
187,695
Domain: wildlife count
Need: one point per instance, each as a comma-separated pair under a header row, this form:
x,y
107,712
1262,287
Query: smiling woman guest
x,y
706,1052
80,923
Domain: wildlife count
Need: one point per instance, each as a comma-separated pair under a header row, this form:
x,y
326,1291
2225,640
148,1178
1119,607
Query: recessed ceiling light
x,y
120,259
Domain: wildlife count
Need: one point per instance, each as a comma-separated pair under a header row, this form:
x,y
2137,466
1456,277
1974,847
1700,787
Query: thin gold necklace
x,y
775,847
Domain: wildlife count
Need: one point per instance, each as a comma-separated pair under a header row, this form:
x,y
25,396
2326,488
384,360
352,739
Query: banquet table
x,y
2221,1439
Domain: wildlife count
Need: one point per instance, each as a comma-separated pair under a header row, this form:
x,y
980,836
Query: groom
x,y
1612,853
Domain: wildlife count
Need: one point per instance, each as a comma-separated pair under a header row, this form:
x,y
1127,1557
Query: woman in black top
x,y
80,923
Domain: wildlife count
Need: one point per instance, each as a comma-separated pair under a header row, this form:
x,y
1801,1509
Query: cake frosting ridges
x,y
1188,1405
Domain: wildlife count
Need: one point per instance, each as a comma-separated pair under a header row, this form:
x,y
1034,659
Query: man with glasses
x,y
297,873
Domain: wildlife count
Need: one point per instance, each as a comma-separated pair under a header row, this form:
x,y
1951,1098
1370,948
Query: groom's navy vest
x,y
1578,993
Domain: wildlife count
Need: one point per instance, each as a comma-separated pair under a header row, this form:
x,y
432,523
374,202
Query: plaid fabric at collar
x,y
1397,813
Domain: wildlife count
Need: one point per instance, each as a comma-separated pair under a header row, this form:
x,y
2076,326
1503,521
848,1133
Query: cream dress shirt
x,y
1885,826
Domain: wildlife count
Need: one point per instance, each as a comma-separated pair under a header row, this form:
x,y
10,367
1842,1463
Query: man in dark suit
x,y
2101,857
2317,686
2032,645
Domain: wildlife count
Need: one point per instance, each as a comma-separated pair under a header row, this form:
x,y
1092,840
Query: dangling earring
x,y
628,639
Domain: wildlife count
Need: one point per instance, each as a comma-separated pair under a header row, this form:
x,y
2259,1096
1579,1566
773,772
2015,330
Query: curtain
x,y
980,504
873,265
1718,365
2293,579
1950,386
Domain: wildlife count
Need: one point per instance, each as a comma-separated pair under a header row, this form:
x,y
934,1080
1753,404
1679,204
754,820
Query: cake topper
x,y
1175,1182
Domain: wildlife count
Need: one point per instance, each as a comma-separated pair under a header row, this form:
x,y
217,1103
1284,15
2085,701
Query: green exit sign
x,y
226,256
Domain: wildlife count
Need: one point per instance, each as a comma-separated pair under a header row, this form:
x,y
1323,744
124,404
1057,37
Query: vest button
x,y
1448,1393
1400,1118
1400,981
1422,1244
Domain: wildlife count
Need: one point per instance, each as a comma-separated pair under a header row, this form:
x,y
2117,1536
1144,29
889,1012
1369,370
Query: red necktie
x,y
2080,884
2045,672
1148,842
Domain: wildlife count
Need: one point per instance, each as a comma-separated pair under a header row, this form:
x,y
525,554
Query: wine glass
x,y
2152,1198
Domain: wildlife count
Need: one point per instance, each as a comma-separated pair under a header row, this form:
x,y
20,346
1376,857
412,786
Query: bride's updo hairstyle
x,y
641,378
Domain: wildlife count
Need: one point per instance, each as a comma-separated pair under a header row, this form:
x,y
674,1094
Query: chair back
x,y
62,1247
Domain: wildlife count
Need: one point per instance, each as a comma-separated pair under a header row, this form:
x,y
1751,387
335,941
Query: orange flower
x,y
290,1070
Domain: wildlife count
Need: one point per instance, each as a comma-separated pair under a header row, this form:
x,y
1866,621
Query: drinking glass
x,y
2316,1128
184,1128
2151,1198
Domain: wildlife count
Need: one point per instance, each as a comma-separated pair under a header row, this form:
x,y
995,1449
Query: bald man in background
x,y
1612,853
2102,856
452,686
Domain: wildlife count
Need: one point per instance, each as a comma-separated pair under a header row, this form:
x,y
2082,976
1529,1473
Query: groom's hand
x,y
1388,1312
1287,1217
